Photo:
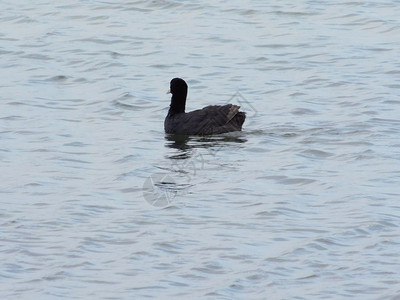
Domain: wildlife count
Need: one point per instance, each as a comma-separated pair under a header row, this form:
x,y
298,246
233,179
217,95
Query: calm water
x,y
98,203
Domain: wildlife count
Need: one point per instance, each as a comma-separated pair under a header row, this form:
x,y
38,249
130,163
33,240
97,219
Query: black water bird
x,y
213,119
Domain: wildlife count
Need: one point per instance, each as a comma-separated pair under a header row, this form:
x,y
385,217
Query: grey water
x,y
98,203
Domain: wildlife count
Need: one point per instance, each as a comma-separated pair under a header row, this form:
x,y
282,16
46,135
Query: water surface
x,y
98,203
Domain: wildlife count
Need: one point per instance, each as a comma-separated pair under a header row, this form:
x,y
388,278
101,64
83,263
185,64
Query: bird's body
x,y
213,119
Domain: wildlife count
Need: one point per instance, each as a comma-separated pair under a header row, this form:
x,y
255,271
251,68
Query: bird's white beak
x,y
169,91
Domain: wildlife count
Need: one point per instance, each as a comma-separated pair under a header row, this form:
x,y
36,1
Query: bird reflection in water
x,y
188,146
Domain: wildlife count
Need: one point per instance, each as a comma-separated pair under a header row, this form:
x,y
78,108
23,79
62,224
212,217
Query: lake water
x,y
98,203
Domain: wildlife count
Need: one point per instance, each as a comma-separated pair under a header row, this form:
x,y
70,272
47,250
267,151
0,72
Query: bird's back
x,y
213,119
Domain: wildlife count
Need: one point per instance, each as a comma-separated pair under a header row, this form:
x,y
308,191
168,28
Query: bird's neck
x,y
178,103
